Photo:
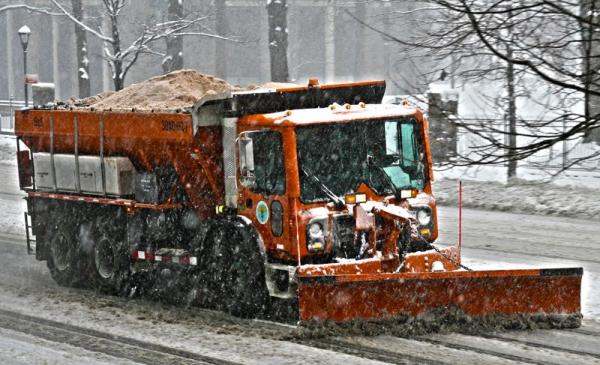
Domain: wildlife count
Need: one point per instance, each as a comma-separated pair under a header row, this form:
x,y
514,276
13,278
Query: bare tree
x,y
278,39
122,56
535,47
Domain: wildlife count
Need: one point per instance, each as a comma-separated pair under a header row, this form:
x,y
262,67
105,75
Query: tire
x,y
108,262
61,256
235,273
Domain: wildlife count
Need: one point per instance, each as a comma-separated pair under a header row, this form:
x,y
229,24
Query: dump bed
x,y
123,133
148,139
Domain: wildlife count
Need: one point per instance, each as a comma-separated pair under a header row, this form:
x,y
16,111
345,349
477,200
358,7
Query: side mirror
x,y
246,153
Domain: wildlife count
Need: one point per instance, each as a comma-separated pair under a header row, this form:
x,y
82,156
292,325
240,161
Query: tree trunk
x,y
83,66
221,29
118,70
591,65
174,57
512,122
512,113
118,78
360,60
278,40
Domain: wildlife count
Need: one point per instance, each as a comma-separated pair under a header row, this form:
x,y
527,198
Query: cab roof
x,y
334,114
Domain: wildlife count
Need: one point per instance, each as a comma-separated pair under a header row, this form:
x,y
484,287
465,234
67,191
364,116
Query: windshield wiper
x,y
337,201
386,177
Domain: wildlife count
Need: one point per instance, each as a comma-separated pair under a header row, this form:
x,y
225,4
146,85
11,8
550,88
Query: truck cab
x,y
310,180
302,171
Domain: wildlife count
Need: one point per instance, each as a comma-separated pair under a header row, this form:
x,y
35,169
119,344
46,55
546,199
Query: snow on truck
x,y
316,195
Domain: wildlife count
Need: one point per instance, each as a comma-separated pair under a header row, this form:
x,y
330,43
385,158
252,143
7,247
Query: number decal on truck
x,y
262,212
173,126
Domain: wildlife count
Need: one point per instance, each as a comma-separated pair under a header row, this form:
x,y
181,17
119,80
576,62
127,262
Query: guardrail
x,y
7,105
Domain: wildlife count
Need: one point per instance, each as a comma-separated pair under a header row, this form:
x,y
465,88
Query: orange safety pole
x,y
459,217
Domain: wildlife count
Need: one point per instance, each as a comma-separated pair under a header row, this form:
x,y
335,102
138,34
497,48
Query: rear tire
x,y
61,257
109,261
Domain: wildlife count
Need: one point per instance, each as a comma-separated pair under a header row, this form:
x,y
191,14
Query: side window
x,y
261,162
391,138
408,142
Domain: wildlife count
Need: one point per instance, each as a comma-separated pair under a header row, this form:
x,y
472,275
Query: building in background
x,y
325,41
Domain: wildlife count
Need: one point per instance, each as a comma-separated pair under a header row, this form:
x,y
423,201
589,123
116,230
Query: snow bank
x,y
522,196
8,150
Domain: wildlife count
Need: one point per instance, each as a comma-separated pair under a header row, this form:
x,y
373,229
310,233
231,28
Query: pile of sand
x,y
270,86
175,90
179,89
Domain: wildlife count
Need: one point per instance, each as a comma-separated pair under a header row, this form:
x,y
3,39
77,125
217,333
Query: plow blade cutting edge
x,y
547,293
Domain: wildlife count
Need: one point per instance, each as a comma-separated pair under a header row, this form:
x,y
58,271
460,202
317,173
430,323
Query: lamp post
x,y
24,33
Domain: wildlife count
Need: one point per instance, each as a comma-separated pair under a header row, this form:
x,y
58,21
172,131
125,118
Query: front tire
x,y
235,273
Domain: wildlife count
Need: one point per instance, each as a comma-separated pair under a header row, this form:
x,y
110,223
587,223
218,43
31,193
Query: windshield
x,y
342,156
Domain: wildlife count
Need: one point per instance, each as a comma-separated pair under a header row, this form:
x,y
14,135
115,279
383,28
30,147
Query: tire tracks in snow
x,y
545,345
113,345
367,352
514,349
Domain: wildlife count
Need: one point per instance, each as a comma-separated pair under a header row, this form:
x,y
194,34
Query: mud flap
x,y
552,293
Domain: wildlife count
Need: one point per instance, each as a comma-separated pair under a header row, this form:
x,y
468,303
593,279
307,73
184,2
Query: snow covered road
x,y
508,240
41,322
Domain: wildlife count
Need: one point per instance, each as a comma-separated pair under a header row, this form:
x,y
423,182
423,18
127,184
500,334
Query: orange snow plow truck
x,y
319,196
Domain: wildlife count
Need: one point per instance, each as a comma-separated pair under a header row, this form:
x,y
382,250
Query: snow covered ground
x,y
7,150
522,197
11,196
17,348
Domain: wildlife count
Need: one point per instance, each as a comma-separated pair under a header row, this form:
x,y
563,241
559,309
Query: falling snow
x,y
185,283
83,74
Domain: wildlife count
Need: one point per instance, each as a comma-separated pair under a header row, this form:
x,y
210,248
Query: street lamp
x,y
24,33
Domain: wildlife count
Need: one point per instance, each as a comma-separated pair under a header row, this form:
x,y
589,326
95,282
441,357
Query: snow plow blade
x,y
552,294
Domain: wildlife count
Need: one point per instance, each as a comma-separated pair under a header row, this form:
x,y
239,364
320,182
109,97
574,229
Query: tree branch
x,y
81,24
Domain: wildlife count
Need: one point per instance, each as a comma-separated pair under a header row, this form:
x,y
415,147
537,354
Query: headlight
x,y
315,231
423,217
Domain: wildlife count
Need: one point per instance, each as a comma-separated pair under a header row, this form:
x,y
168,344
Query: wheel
x,y
108,257
235,270
61,257
108,274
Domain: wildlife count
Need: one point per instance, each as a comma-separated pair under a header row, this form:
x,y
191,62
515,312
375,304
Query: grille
x,y
343,236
